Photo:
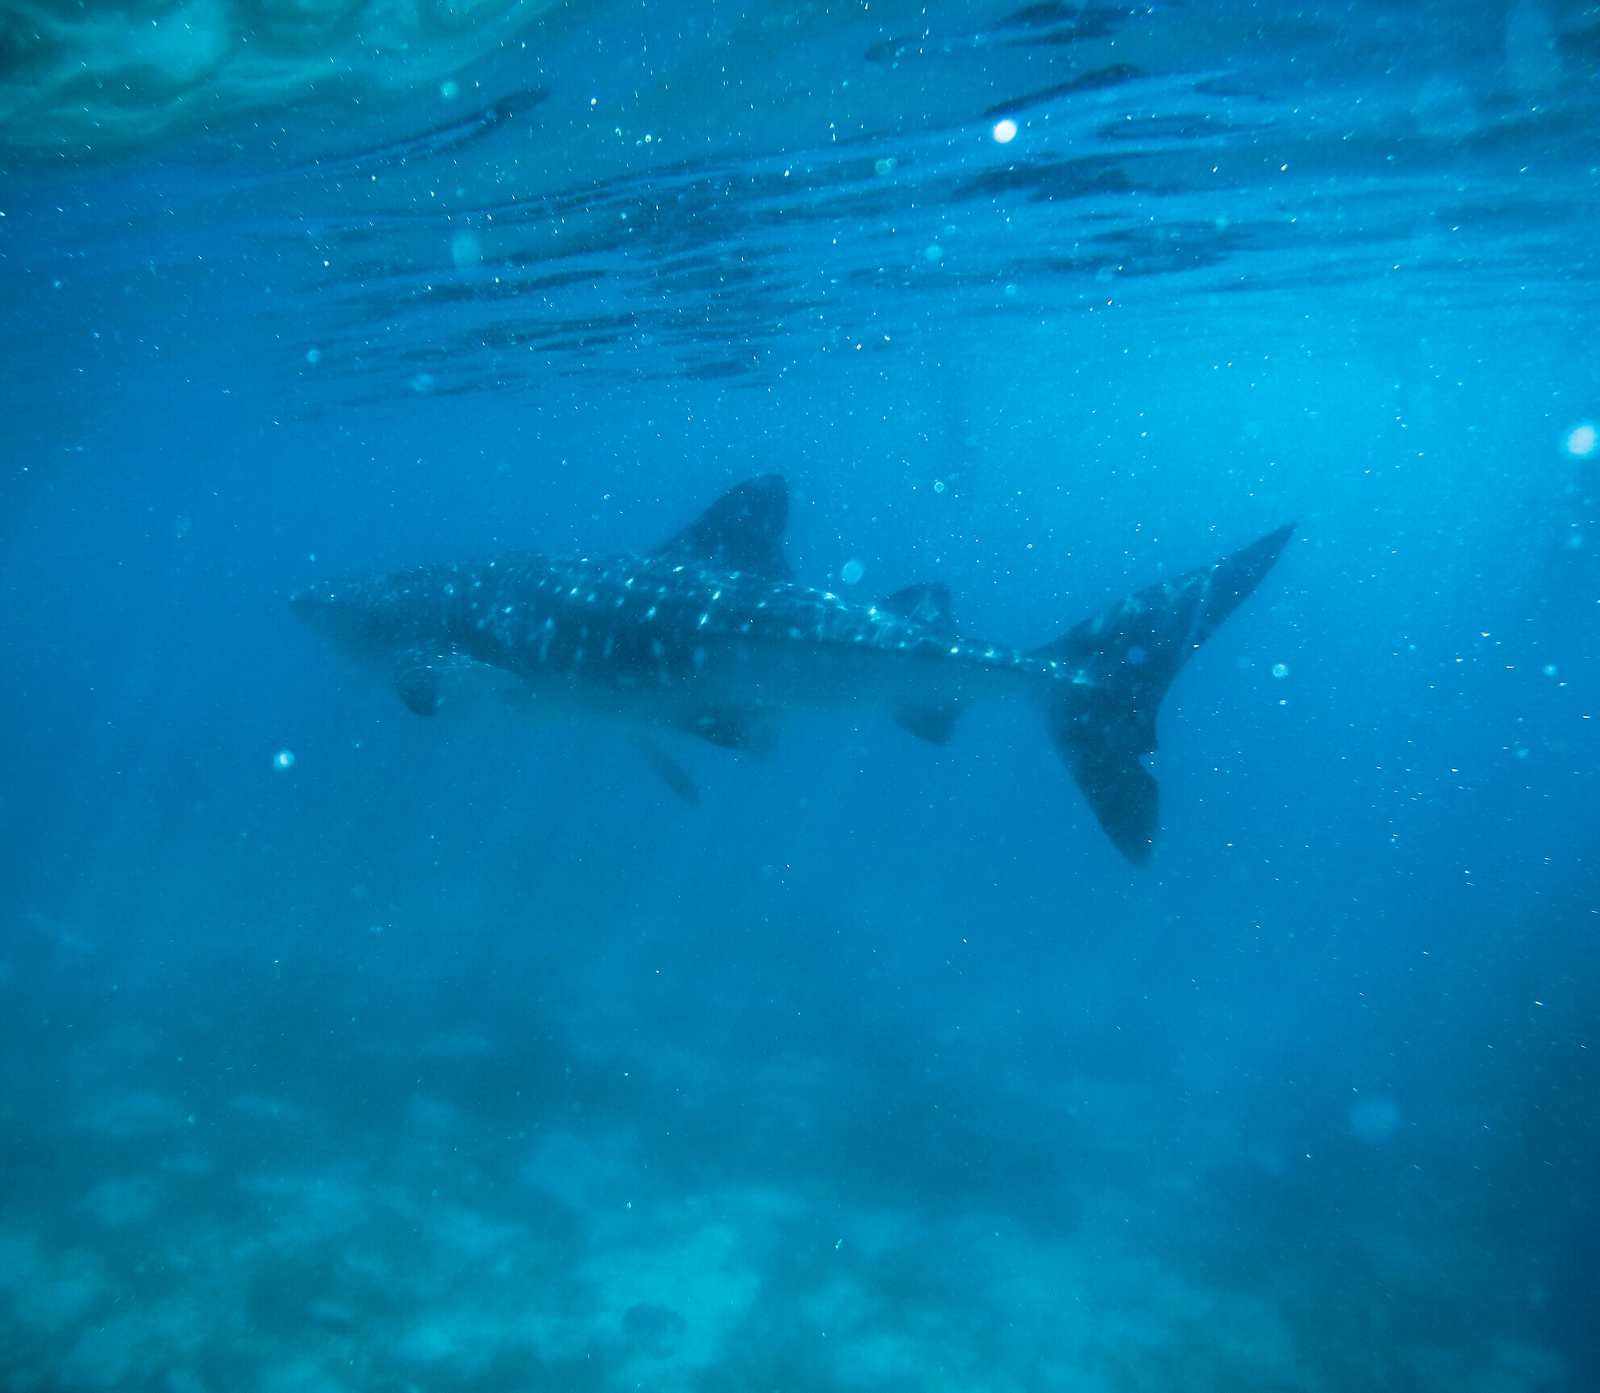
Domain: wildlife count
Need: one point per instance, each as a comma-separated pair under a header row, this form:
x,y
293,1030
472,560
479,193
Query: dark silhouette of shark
x,y
709,635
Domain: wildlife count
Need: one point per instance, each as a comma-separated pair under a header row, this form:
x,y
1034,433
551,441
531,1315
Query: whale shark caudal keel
x,y
709,635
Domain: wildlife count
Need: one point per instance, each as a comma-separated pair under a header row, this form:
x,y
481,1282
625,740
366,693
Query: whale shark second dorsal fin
x,y
927,604
741,531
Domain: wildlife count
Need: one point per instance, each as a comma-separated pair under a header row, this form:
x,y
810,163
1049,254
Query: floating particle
x,y
284,759
1005,131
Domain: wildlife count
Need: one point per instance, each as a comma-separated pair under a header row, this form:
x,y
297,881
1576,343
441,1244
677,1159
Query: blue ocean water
x,y
341,1049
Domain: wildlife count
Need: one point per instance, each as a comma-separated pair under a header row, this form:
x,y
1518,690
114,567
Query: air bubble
x,y
1581,440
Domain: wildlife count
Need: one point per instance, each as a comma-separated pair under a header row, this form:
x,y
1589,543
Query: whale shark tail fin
x,y
1118,664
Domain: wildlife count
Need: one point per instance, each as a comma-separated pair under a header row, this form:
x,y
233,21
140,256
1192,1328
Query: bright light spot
x,y
314,356
1280,670
1005,131
933,251
851,572
447,90
284,759
466,249
1581,440
886,164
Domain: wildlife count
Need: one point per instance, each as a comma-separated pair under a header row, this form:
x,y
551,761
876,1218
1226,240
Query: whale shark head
x,y
336,613
368,618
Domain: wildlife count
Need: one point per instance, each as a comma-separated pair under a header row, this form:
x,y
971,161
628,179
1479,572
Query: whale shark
x,y
709,634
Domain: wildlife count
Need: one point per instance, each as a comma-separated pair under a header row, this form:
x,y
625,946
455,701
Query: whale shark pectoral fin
x,y
416,681
672,773
741,531
753,730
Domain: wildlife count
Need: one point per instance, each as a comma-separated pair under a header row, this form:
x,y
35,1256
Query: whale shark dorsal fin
x,y
741,531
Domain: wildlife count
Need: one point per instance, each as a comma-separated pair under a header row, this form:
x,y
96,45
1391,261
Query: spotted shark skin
x,y
710,636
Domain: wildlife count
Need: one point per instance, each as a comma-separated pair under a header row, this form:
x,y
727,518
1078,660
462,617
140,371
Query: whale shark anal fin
x,y
935,724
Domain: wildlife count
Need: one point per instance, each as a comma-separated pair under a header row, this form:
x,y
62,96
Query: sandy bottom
x,y
450,1258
